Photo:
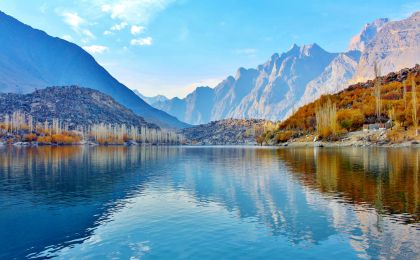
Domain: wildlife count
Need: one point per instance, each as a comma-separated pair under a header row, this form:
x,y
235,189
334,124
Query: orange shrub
x,y
29,137
44,139
65,139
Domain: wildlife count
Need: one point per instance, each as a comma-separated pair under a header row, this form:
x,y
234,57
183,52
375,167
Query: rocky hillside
x,y
355,106
72,105
277,88
227,132
31,59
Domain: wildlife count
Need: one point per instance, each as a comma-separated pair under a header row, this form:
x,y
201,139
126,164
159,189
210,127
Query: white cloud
x,y
67,38
95,49
107,32
134,11
135,29
119,27
76,22
142,41
73,19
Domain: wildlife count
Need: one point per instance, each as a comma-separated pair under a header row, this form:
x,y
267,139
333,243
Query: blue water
x,y
209,203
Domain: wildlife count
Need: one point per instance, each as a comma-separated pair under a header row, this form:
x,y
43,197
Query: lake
x,y
209,203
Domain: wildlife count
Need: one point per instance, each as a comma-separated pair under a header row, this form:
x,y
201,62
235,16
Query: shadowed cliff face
x,y
31,59
64,197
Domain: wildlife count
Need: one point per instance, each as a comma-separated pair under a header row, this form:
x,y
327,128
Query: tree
x,y
326,119
377,91
414,114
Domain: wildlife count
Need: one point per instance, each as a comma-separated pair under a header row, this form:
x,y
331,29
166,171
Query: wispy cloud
x,y
119,27
76,23
67,38
73,19
142,41
136,29
134,11
95,49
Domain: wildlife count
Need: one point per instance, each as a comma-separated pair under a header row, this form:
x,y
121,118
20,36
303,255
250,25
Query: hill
x,y
31,59
71,105
227,132
357,105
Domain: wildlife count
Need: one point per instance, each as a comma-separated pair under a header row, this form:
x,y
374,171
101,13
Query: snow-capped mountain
x,y
285,82
31,59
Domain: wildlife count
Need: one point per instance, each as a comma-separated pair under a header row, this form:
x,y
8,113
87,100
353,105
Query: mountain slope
x,y
395,46
31,59
150,100
333,78
267,91
73,105
287,81
365,36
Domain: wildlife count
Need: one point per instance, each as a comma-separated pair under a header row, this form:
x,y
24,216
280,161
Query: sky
x,y
170,47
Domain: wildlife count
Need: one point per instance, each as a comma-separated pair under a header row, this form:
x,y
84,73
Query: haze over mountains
x,y
31,59
276,88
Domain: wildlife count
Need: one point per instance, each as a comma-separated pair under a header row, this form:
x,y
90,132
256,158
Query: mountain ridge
x,y
30,59
286,81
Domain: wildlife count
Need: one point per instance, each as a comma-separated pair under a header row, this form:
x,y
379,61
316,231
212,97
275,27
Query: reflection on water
x,y
207,202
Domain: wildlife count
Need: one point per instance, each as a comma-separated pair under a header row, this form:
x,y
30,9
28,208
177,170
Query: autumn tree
x,y
326,119
377,92
414,113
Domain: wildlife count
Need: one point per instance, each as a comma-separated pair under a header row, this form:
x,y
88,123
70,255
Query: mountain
x,y
366,35
151,100
30,59
73,105
275,89
336,75
195,107
267,91
395,46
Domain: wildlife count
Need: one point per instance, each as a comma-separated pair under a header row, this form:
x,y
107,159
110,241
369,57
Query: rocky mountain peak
x,y
368,32
310,49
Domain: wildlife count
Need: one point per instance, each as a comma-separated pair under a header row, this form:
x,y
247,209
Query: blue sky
x,y
171,46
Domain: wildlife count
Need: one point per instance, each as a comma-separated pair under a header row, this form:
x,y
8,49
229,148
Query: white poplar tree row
x,y
102,133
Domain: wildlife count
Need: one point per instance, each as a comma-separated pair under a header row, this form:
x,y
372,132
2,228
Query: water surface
x,y
209,202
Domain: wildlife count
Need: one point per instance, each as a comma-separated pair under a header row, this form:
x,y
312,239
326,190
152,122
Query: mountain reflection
x,y
385,179
57,195
60,195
